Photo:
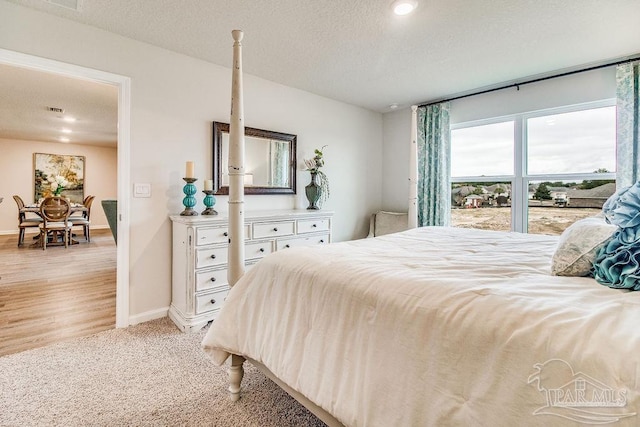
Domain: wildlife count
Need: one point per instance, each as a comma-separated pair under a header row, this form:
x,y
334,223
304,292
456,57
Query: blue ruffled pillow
x,y
612,203
617,263
623,208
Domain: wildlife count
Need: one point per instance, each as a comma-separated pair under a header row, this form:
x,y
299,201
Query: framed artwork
x,y
58,175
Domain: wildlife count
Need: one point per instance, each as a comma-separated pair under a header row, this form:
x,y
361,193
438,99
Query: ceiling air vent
x,y
67,4
55,110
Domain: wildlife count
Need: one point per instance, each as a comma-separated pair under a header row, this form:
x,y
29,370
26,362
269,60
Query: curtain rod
x,y
526,82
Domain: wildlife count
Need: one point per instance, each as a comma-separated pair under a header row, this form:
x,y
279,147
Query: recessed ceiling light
x,y
404,7
69,119
393,106
63,139
65,130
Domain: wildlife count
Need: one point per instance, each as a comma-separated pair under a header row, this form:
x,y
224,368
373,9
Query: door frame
x,y
123,84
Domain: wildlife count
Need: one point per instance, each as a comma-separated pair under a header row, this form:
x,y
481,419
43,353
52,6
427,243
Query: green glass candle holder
x,y
189,201
209,202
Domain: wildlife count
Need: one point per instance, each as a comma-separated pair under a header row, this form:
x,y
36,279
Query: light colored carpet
x,y
145,375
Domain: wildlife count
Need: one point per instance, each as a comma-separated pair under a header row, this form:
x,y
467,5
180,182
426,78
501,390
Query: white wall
x,y
174,100
575,89
395,151
16,162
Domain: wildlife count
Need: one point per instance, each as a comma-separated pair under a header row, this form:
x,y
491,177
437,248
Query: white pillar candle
x,y
190,170
208,185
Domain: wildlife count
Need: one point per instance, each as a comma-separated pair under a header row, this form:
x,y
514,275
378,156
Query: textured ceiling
x,y
26,95
358,52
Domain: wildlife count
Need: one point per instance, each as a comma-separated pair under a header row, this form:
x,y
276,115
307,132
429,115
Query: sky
x,y
575,142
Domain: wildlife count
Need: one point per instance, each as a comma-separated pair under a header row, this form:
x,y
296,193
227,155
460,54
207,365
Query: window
x,y
575,142
537,172
485,150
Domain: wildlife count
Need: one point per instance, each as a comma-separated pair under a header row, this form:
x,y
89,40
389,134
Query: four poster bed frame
x,y
236,230
430,326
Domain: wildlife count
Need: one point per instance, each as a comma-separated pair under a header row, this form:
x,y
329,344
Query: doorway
x,y
123,85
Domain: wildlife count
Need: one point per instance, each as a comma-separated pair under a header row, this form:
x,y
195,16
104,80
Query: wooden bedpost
x,y
236,372
413,169
236,166
236,196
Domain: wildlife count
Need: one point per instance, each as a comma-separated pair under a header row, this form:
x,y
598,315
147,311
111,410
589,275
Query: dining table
x,y
35,208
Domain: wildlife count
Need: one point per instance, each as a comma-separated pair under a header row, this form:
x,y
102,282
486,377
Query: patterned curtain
x,y
628,107
279,164
434,182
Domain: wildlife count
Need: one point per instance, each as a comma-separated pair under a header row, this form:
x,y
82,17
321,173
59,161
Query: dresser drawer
x,y
256,250
273,229
301,241
210,235
207,236
211,301
209,257
312,225
210,279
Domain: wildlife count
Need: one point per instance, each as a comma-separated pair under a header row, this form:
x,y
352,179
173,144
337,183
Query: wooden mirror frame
x,y
220,128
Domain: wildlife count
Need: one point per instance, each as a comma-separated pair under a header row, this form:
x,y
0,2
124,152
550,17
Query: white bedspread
x,y
438,327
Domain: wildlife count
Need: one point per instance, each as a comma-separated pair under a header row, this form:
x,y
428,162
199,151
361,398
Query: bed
x,y
438,326
433,326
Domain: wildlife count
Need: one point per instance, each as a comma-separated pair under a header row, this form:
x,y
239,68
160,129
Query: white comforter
x,y
438,327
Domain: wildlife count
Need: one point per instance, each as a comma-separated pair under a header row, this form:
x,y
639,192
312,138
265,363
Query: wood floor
x,y
57,294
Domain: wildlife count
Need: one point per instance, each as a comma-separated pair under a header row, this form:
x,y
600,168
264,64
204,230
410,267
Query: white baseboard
x,y
148,315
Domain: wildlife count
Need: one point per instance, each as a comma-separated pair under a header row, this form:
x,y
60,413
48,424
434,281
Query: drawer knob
x,y
321,241
287,246
275,228
314,225
213,256
213,279
225,234
261,249
213,301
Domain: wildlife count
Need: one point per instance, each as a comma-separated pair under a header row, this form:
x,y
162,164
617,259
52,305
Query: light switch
x,y
141,190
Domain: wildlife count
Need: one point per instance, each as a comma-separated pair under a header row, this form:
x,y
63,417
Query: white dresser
x,y
200,252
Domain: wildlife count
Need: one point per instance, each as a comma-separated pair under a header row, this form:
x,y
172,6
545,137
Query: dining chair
x,y
84,219
55,215
24,222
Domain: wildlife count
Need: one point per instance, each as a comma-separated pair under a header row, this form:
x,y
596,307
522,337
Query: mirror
x,y
270,161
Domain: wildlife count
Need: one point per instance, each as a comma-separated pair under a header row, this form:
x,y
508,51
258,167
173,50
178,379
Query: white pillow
x,y
578,246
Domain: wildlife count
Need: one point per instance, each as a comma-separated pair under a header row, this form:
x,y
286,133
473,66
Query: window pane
x,y
554,206
575,142
482,150
484,205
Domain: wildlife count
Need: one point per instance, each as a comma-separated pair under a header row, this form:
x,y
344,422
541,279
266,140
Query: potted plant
x,y
318,190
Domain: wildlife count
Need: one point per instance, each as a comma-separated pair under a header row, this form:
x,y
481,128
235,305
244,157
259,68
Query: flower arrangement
x,y
313,165
57,184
